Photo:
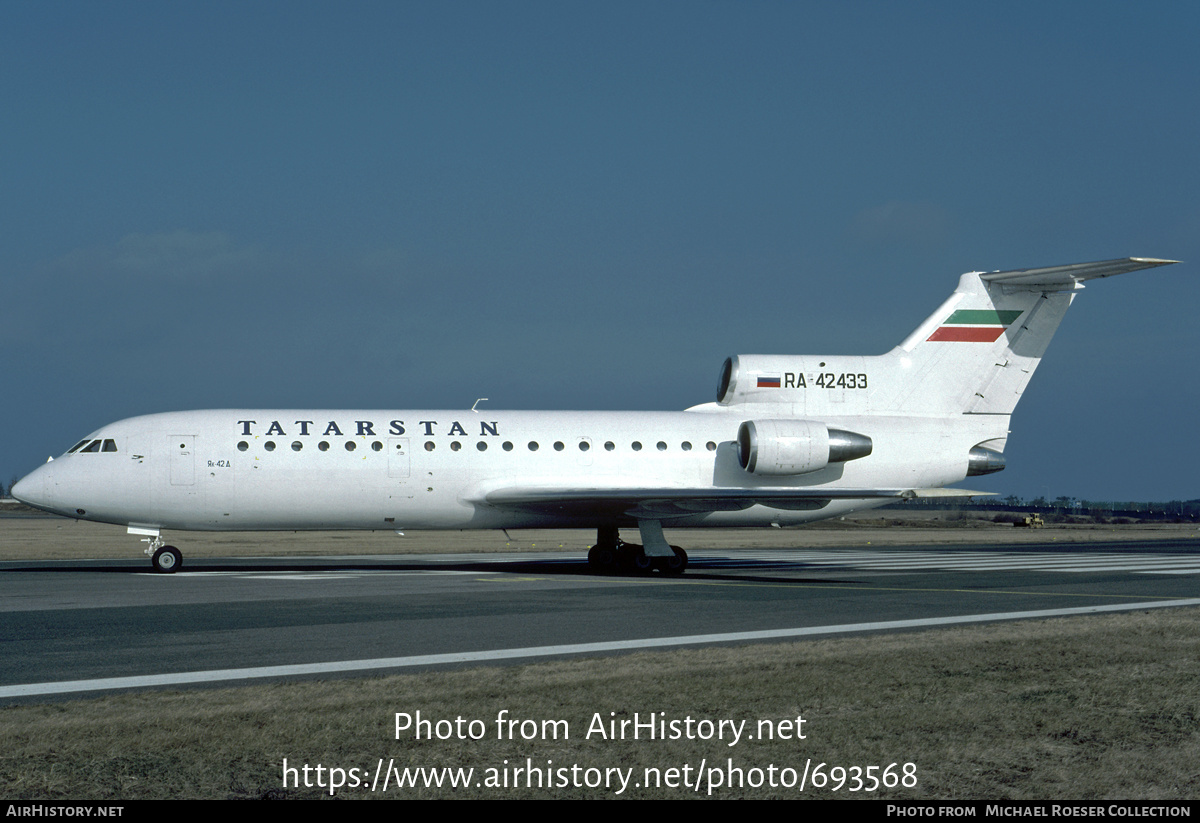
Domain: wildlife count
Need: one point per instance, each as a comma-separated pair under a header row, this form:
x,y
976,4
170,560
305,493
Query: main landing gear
x,y
612,555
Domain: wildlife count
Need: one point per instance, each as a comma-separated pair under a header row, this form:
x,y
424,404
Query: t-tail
x,y
973,356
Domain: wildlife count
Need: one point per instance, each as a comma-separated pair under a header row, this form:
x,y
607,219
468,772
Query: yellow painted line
x,y
926,591
683,581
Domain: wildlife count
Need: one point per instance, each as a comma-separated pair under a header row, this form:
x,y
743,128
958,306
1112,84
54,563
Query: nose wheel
x,y
167,560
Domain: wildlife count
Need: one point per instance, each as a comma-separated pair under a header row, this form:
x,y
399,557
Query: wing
x,y
664,503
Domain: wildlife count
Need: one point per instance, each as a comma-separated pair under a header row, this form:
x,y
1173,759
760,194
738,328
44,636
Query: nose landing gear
x,y
164,559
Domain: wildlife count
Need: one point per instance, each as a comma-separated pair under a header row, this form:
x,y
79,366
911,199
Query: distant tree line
x,y
1167,510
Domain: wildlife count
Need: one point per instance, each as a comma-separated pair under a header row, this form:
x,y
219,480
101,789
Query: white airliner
x,y
791,439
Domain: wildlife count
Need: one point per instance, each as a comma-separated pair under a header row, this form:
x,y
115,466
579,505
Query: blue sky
x,y
589,205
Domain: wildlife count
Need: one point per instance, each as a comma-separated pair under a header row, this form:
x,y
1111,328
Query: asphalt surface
x,y
69,627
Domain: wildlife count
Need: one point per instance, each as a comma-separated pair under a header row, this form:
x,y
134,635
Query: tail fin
x,y
976,353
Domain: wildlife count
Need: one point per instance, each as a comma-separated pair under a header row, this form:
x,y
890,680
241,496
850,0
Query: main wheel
x,y
640,562
676,563
628,555
167,560
602,559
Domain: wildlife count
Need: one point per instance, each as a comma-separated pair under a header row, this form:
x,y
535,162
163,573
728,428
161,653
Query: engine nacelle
x,y
786,447
982,460
752,377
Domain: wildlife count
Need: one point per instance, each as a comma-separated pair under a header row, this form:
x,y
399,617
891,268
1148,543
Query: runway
x,y
72,627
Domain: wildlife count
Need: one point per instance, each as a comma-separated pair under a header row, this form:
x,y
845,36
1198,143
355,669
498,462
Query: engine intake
x,y
785,447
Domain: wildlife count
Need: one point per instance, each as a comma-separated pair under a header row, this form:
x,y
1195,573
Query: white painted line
x,y
339,574
218,675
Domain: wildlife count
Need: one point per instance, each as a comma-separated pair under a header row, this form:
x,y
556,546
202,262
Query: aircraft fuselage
x,y
339,469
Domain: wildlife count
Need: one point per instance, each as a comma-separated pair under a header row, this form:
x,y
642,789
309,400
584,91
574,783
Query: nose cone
x,y
31,489
21,489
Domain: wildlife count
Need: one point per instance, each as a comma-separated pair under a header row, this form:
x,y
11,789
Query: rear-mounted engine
x,y
982,460
784,447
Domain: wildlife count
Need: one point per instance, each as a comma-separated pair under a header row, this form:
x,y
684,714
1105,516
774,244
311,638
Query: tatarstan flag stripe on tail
x,y
982,317
974,326
967,334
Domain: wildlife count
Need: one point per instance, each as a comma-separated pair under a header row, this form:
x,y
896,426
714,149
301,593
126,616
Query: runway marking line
x,y
233,675
320,574
849,587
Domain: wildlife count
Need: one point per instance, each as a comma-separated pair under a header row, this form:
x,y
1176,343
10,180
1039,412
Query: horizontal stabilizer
x,y
1060,277
926,493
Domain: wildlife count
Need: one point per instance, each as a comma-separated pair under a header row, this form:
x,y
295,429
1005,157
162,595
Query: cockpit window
x,y
93,446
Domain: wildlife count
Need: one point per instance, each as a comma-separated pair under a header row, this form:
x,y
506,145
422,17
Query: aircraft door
x,y
398,462
183,459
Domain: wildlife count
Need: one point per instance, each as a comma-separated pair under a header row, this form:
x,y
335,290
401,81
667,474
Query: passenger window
x,y
455,446
297,445
269,445
429,446
533,446
662,447
558,446
377,446
481,445
637,447
243,445
686,446
609,446
351,445
323,446
507,446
